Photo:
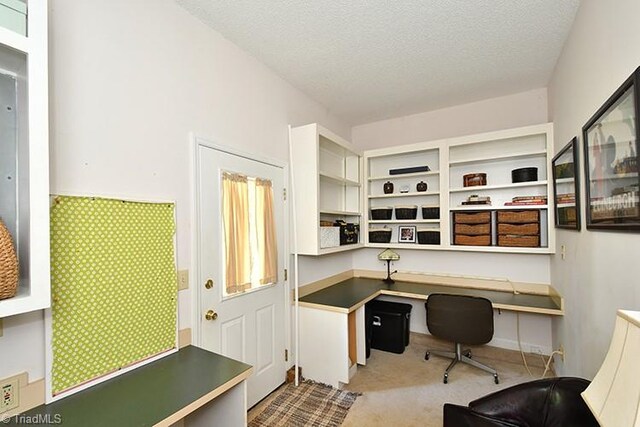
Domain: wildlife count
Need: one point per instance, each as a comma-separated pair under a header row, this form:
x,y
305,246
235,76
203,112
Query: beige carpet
x,y
406,390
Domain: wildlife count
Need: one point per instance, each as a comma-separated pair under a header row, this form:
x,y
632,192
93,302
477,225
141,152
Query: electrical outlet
x,y
9,394
183,279
563,252
561,353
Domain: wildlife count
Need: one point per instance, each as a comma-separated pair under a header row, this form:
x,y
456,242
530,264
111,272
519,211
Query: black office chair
x,y
463,320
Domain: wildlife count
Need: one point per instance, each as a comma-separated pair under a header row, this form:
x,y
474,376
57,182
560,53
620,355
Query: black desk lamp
x,y
389,255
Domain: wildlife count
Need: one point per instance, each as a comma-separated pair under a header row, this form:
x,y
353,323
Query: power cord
x,y
547,365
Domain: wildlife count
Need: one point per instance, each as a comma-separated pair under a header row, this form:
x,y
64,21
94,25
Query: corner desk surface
x,y
348,295
150,394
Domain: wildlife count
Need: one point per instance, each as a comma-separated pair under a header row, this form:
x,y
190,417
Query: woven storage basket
x,y
473,229
8,264
472,217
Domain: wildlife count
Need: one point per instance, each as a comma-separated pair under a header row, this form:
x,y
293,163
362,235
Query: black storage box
x,y
379,235
430,212
406,212
524,175
428,237
390,325
349,233
381,213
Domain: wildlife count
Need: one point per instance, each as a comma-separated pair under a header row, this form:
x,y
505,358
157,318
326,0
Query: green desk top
x,y
144,396
351,293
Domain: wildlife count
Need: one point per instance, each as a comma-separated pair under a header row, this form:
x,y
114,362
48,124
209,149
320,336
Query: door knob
x,y
211,315
208,284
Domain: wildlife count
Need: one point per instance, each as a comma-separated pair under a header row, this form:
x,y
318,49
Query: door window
x,y
250,246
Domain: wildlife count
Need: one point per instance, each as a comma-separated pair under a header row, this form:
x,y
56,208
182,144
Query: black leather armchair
x,y
553,402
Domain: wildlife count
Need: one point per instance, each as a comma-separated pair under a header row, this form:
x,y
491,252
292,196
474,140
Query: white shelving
x,y
494,153
499,158
497,208
405,175
339,180
404,221
414,194
478,188
328,184
25,202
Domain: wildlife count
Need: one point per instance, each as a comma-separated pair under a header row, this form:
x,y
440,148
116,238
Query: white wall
x,y
600,273
520,109
506,112
129,80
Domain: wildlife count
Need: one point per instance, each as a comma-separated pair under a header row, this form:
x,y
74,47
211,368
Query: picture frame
x,y
407,234
566,186
610,140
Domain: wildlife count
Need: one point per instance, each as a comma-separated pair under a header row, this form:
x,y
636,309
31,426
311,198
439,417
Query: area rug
x,y
309,404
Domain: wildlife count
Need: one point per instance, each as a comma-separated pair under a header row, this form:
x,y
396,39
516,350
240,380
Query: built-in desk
x,y
348,295
332,336
201,387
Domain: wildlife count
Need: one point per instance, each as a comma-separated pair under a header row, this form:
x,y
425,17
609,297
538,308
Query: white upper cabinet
x,y
24,148
327,173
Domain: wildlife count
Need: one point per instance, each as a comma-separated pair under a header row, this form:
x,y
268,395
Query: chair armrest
x,y
462,416
550,401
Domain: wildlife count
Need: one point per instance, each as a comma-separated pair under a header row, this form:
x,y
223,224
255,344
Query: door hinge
x,y
284,194
286,355
286,274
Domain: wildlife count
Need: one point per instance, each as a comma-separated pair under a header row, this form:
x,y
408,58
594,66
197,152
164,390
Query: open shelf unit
x,y
378,164
494,153
24,158
328,185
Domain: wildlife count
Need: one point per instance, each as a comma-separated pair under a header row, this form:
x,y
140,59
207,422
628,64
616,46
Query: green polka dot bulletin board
x,y
114,287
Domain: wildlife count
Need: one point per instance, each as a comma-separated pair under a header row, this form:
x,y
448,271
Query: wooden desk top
x,y
347,295
161,392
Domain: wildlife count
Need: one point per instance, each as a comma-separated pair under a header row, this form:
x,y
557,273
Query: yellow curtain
x,y
235,210
266,232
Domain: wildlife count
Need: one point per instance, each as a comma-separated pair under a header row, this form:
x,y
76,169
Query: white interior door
x,y
249,326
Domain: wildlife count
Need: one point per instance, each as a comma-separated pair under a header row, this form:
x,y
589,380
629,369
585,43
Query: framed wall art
x,y
566,187
611,161
407,234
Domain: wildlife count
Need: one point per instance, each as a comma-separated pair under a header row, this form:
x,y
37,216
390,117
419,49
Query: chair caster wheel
x,y
445,379
495,378
426,356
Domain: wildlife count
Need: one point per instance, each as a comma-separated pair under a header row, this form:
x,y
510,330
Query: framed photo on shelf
x,y
566,187
407,234
610,140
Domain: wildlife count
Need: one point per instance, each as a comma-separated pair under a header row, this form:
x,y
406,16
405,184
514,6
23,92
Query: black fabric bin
x,y
390,325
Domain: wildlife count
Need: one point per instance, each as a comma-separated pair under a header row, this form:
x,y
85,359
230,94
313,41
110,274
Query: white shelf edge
x,y
23,302
497,208
498,187
326,251
404,175
537,153
14,40
414,194
344,213
400,221
339,180
499,249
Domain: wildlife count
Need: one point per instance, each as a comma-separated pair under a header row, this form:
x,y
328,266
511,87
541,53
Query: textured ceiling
x,y
372,59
